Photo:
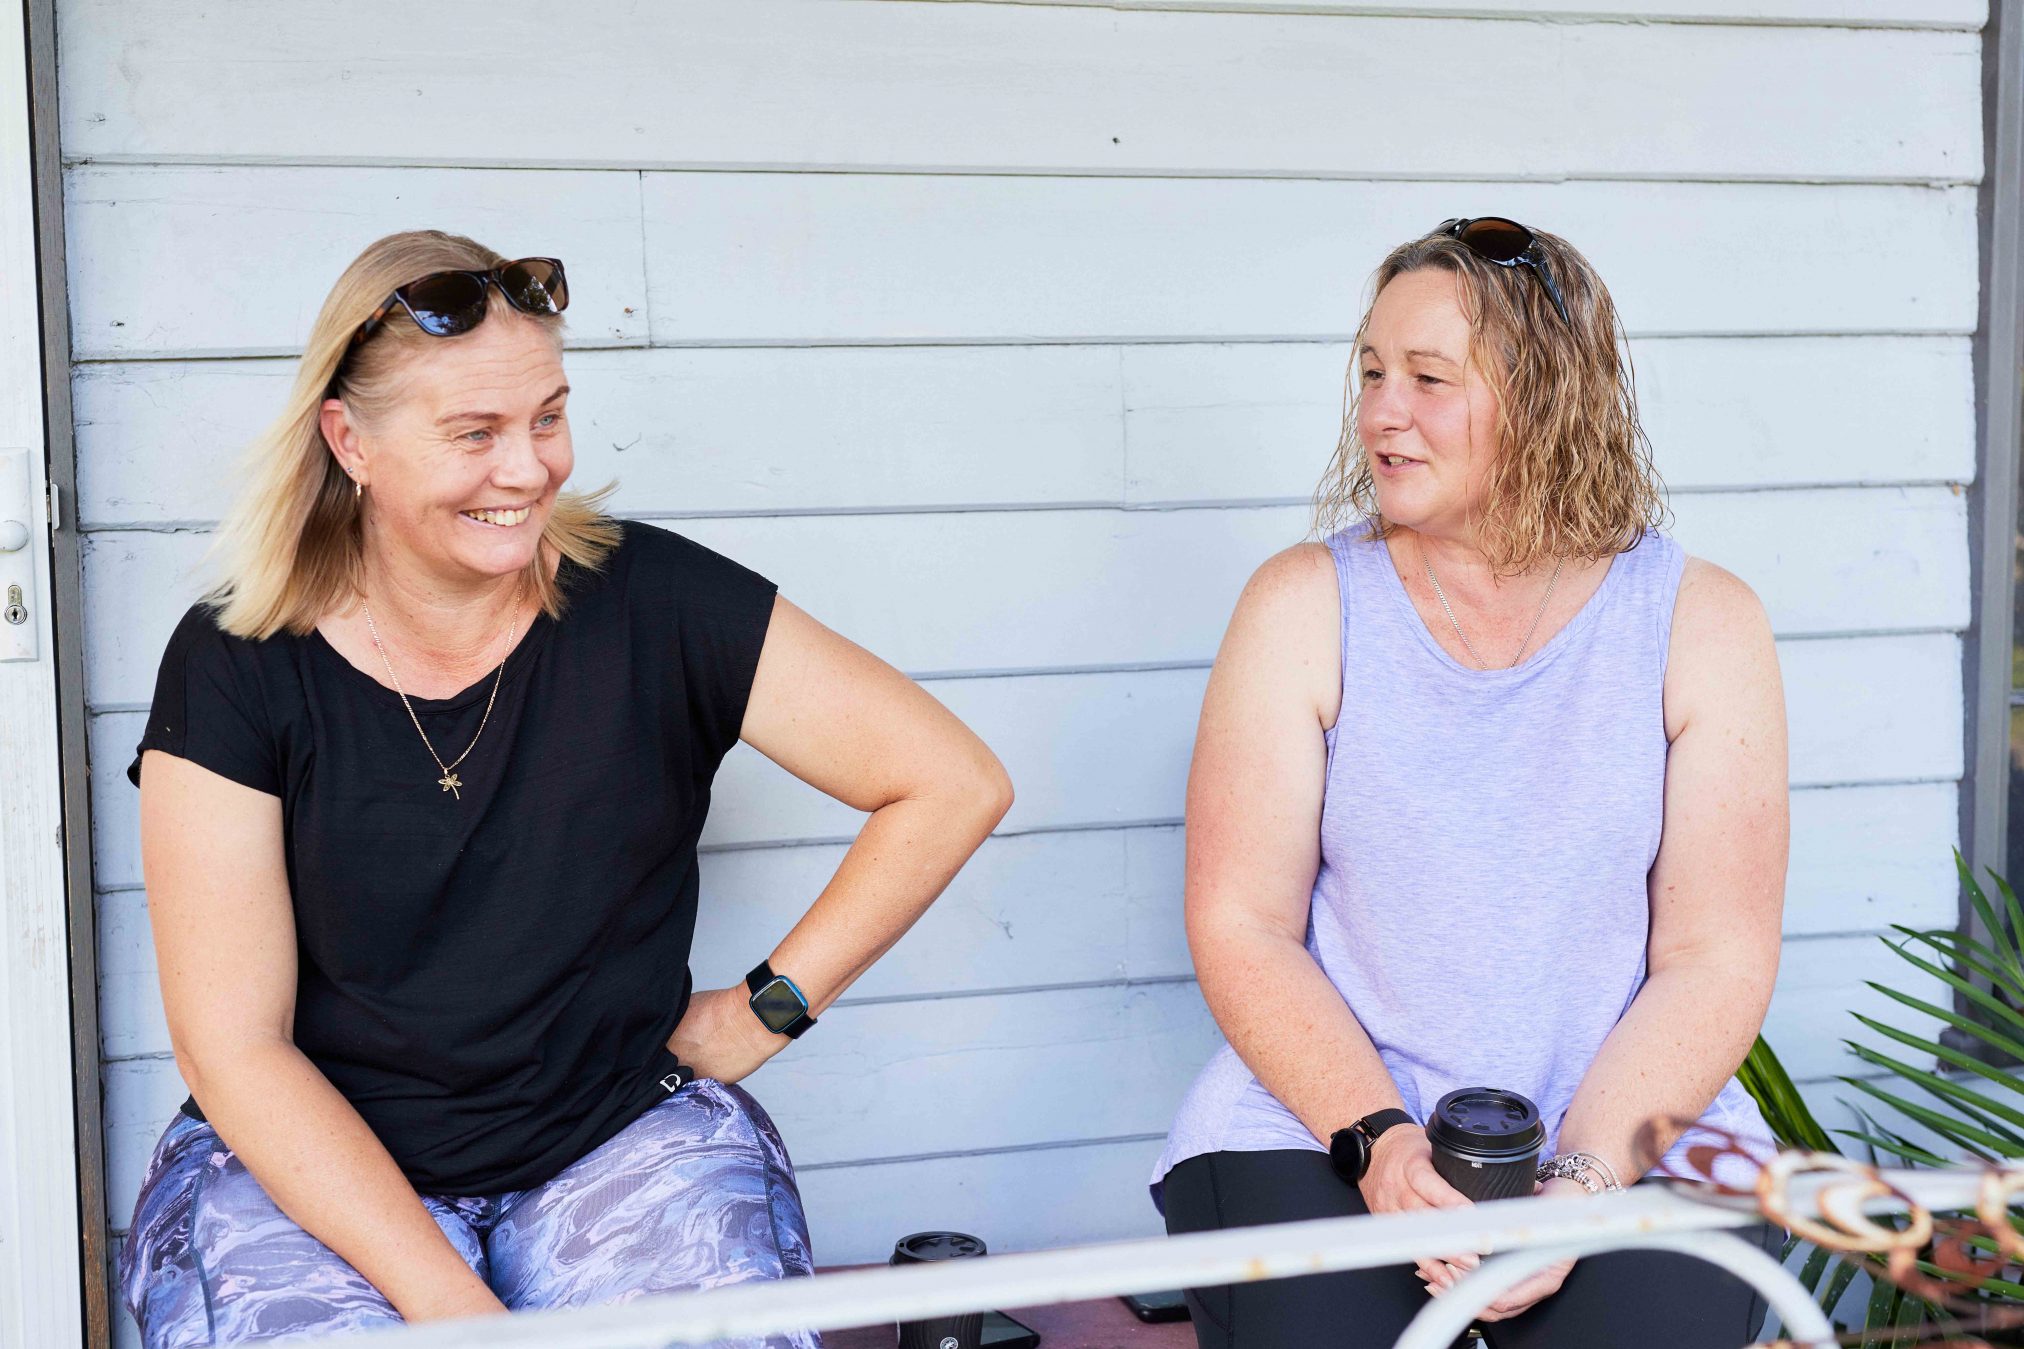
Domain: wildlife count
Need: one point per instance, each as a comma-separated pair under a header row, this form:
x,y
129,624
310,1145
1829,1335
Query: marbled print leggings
x,y
696,1193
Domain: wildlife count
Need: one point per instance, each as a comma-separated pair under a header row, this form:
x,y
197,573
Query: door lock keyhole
x,y
17,613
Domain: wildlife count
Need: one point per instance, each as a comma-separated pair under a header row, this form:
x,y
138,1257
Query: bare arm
x,y
1716,894
1717,888
848,724
1254,846
224,933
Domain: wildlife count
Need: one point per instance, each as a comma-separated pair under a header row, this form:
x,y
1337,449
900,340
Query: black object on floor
x,y
1153,1308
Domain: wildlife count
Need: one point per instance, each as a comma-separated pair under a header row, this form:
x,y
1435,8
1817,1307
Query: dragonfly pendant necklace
x,y
449,782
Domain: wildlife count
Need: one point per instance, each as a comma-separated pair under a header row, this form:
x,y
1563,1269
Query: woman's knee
x,y
708,1199
743,1113
748,1138
1360,1308
1657,1298
212,1260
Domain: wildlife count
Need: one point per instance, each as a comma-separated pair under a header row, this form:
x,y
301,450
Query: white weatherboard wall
x,y
1009,338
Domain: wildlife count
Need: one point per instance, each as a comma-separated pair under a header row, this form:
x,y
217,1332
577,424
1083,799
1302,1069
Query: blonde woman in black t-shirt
x,y
420,794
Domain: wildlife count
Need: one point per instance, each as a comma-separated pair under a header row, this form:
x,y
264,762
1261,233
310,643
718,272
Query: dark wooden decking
x,y
1103,1324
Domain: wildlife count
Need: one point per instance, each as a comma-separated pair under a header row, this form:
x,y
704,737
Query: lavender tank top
x,y
1485,841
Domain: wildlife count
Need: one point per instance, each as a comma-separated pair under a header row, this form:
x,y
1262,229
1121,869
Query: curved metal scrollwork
x,y
1946,1261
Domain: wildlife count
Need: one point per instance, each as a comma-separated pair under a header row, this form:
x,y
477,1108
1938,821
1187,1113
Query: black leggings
x,y
1652,1299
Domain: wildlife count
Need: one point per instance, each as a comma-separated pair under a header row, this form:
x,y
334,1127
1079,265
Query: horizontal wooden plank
x,y
770,257
962,591
1083,906
1255,421
786,258
1085,750
1963,15
1092,904
1849,548
141,1097
1866,857
1093,750
1854,706
851,84
256,251
1087,906
898,1079
130,1016
1029,1200
1821,983
1022,590
1080,907
956,1074
702,431
696,431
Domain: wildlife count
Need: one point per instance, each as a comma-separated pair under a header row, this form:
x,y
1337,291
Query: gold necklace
x,y
449,782
1427,559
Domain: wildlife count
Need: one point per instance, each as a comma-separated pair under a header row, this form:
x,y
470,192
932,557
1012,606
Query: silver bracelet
x,y
1593,1174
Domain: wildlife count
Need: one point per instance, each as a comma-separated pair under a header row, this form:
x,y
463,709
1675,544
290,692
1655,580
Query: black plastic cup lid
x,y
924,1246
1487,1123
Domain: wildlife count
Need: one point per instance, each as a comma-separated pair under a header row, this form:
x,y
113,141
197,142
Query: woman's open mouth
x,y
499,518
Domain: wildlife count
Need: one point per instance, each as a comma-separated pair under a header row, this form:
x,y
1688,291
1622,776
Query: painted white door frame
x,y
41,1273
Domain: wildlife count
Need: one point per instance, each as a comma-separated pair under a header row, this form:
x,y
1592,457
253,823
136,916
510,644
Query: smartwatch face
x,y
779,1005
1349,1154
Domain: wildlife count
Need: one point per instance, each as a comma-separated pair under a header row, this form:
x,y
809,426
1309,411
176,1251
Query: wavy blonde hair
x,y
1574,475
291,547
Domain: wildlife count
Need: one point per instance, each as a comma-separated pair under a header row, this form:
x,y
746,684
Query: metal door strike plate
x,y
18,530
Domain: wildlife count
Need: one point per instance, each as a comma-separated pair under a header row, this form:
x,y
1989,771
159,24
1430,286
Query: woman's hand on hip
x,y
721,1038
1402,1179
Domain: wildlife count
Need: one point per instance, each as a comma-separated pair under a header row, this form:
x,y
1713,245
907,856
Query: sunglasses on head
x,y
1508,244
444,304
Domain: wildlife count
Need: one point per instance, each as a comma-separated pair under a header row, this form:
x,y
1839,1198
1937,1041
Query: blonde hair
x,y
1573,475
292,545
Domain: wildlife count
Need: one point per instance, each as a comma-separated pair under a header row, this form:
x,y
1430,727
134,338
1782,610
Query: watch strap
x,y
1349,1149
1378,1121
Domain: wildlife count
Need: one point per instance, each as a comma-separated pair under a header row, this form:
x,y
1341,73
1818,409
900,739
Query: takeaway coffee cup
x,y
1486,1142
939,1332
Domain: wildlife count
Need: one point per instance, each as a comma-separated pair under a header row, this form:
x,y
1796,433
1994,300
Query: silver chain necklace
x,y
1427,561
449,782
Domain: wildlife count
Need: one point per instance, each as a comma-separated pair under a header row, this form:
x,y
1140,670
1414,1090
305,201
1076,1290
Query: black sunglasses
x,y
1508,244
444,304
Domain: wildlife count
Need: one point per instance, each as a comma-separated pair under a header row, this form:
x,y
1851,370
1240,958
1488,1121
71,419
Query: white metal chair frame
x,y
1527,1234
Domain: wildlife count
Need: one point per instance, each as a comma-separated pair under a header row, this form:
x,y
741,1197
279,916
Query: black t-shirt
x,y
491,980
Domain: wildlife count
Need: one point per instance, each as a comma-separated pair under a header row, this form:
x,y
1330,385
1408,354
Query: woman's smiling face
x,y
463,468
1426,415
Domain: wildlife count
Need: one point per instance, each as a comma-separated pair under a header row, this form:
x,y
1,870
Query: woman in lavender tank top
x,y
1489,790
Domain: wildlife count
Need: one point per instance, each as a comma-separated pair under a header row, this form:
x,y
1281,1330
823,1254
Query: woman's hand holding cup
x,y
1529,1293
1401,1179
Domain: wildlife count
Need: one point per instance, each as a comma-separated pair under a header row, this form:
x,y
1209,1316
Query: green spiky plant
x,y
1977,1108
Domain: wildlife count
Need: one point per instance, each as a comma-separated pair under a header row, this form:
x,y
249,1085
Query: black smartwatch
x,y
1349,1149
780,1006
